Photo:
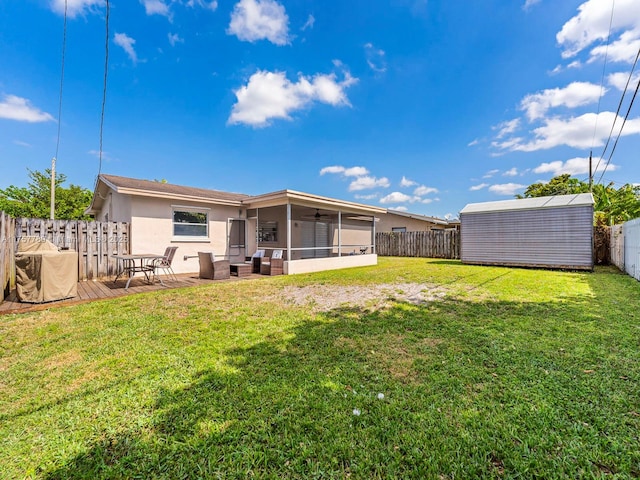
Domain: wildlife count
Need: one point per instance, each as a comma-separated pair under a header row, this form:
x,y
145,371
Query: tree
x,y
560,185
33,201
612,205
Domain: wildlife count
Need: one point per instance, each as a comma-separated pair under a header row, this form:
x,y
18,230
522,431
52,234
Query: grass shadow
x,y
450,389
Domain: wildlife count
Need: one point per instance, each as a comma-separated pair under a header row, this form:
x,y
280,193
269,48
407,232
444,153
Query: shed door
x,y
315,234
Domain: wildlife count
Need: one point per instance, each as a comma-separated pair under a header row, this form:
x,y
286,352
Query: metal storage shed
x,y
548,232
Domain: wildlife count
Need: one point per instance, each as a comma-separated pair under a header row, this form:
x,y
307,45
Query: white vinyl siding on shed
x,y
558,236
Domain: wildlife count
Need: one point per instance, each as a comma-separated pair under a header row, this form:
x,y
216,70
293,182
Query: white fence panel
x,y
632,248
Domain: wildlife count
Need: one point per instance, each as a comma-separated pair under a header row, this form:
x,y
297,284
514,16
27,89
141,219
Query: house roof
x,y
148,188
556,201
425,218
308,199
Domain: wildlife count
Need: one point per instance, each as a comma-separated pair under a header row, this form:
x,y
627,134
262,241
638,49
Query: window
x,y
190,223
399,229
236,233
267,231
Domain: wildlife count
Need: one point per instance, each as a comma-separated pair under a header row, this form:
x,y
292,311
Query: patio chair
x,y
272,265
255,261
164,263
213,269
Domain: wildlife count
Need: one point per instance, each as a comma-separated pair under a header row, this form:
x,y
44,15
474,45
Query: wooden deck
x,y
89,291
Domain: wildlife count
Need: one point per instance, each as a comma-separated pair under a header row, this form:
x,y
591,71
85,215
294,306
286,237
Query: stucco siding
x,y
390,221
152,232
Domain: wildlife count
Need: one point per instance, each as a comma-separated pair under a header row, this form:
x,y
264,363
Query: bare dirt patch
x,y
375,297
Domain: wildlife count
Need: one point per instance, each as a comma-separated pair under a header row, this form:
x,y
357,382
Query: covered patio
x,y
315,233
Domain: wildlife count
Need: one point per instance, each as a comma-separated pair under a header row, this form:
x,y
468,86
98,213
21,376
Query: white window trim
x,y
186,238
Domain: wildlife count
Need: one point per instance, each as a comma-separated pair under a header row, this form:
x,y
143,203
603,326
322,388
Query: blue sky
x,y
420,105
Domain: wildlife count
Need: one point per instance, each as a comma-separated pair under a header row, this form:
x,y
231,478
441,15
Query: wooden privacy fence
x,y
7,270
95,242
430,244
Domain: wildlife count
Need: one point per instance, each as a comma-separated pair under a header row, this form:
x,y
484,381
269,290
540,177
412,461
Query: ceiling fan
x,y
317,216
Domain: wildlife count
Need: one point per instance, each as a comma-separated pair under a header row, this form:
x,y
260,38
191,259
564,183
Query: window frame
x,y
176,237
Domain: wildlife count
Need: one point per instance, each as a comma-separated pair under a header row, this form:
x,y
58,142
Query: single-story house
x,y
397,221
316,233
548,232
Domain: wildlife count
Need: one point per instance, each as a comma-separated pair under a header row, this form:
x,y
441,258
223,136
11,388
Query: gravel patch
x,y
321,298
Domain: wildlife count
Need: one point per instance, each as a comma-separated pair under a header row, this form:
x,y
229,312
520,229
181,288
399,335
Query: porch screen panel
x,y
322,239
315,234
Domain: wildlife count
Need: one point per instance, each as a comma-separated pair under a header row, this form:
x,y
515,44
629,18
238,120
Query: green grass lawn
x,y
511,373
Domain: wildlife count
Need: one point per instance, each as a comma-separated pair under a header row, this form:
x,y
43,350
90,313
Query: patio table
x,y
134,263
241,269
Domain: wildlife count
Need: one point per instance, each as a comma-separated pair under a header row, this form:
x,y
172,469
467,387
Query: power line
x,y
64,47
626,87
604,67
104,85
625,118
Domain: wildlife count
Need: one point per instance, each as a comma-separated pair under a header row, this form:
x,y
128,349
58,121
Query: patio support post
x,y
373,233
339,233
288,232
257,228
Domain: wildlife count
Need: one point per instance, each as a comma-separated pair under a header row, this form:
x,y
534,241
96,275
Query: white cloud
x,y
367,182
332,169
347,172
309,23
506,128
619,80
270,95
175,38
367,197
156,7
576,132
96,153
473,142
511,173
622,50
212,5
405,182
76,7
375,58
253,20
490,173
506,188
591,24
422,190
20,109
126,42
400,209
530,3
574,95
398,197
475,188
355,171
22,144
574,166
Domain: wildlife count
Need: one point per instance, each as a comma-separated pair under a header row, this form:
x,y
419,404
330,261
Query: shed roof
x,y
556,201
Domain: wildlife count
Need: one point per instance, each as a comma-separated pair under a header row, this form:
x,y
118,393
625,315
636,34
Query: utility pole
x,y
53,189
590,172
